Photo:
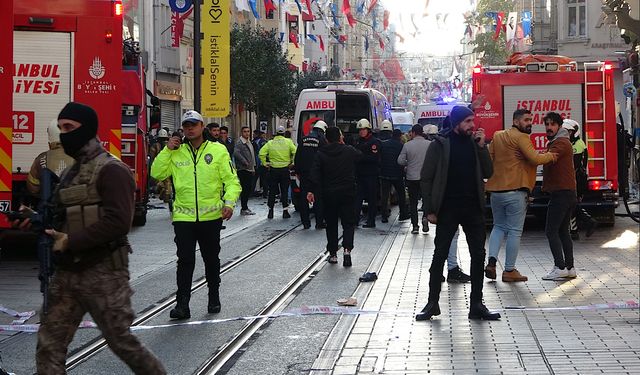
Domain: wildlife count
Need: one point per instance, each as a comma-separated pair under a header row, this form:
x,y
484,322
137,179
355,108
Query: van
x,y
402,119
434,113
341,104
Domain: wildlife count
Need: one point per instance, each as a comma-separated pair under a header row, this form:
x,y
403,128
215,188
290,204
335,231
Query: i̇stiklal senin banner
x,y
215,81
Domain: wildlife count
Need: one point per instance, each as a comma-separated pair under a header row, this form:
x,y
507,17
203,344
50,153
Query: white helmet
x,y
321,125
53,131
363,124
430,129
163,134
386,125
571,125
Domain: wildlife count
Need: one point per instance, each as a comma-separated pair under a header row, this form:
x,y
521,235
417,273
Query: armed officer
x,y
305,155
367,171
94,205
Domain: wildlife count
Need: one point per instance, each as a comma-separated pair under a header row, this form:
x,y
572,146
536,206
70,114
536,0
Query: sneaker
x,y
346,261
571,273
415,230
457,276
247,212
332,259
425,225
285,214
556,274
513,276
490,272
270,214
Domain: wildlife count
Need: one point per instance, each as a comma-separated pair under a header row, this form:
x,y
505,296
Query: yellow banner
x,y
215,45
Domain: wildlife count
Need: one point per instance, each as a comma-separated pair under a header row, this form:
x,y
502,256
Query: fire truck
x,y
54,52
543,84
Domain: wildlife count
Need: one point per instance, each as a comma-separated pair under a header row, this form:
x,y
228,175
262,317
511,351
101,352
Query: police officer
x,y
199,169
94,208
54,160
278,155
367,171
305,155
391,174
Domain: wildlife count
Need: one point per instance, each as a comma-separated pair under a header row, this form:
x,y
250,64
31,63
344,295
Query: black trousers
x,y
279,180
468,214
261,173
339,205
246,182
561,206
367,189
303,205
414,196
207,235
385,191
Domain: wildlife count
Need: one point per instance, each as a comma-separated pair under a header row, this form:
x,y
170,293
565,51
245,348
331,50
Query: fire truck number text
x,y
539,141
23,127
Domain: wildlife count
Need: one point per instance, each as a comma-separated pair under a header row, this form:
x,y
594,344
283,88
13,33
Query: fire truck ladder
x,y
595,100
129,133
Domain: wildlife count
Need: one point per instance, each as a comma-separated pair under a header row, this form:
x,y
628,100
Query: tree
x,y
307,80
494,52
260,76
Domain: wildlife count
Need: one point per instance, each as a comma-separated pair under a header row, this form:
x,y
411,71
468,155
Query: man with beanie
x,y
94,204
200,171
453,192
514,166
277,155
559,180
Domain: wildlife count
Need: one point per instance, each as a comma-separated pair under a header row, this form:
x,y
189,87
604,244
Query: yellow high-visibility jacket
x,y
279,150
198,179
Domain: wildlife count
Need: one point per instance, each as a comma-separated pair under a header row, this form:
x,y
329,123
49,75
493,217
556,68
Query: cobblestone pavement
x,y
568,341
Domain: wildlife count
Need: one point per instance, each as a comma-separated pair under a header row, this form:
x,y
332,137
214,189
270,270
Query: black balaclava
x,y
73,141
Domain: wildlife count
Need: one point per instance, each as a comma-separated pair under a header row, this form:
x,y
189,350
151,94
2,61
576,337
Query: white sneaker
x,y
571,273
557,274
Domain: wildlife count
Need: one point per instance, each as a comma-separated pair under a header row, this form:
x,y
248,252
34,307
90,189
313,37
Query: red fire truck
x,y
54,52
542,84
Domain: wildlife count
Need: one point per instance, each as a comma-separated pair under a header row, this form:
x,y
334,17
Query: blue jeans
x,y
509,210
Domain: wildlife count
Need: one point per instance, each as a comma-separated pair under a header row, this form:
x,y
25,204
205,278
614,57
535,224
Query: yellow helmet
x,y
363,124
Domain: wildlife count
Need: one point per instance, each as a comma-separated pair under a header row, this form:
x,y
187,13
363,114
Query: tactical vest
x,y
81,207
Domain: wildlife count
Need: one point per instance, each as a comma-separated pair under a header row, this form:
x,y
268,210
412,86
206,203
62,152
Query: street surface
x,y
558,341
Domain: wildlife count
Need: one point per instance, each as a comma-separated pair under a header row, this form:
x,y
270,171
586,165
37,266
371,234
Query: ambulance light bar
x,y
336,83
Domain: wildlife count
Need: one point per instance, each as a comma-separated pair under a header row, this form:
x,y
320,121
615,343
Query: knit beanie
x,y
83,114
458,114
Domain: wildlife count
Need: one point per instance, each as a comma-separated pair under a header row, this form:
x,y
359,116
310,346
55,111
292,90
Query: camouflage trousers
x,y
103,292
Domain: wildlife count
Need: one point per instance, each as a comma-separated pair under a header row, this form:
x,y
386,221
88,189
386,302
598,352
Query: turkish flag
x,y
293,38
499,24
346,9
385,20
392,70
269,6
373,3
321,43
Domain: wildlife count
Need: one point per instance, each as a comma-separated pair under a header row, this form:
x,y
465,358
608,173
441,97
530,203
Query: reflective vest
x,y
198,179
279,150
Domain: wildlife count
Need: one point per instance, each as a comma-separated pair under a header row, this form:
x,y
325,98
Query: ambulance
x,y
543,84
341,104
402,119
435,112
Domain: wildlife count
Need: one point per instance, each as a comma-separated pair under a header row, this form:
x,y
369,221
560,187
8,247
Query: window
x,y
577,12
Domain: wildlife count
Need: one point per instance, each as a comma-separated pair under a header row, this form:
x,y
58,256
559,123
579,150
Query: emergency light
x,y
601,185
118,8
542,67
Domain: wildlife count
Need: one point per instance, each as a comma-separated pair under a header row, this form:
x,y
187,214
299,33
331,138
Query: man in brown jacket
x,y
560,182
514,176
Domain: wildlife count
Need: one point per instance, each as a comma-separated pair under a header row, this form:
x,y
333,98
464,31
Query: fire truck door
x,y
41,87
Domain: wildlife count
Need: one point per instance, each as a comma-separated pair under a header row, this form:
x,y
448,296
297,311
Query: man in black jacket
x,y
305,154
333,177
391,173
367,172
453,192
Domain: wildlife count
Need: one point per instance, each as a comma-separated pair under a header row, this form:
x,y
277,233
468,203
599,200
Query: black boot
x,y
480,311
181,311
214,301
431,309
270,214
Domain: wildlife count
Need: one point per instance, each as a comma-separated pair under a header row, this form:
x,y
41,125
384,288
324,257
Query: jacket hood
x,y
562,133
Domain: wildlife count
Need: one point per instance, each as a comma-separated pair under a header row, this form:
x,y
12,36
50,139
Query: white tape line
x,y
326,310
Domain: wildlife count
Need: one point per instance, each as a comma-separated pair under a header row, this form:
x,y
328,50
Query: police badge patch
x,y
208,158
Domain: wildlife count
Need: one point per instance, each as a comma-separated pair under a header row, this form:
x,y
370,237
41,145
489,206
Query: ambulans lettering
x,y
430,114
36,79
321,104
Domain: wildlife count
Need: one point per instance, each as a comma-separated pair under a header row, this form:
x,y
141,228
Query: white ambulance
x,y
341,104
434,113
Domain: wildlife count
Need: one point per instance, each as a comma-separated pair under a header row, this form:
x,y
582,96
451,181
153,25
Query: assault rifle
x,y
41,220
